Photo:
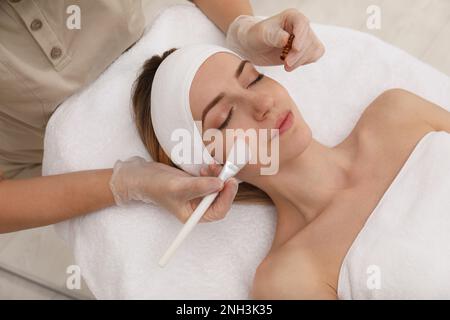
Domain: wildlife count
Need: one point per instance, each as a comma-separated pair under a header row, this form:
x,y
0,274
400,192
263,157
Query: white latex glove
x,y
180,193
262,41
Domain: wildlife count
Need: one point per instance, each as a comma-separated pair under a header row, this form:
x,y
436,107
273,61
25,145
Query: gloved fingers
x,y
295,55
313,54
195,187
320,49
297,24
300,29
188,193
306,41
212,170
275,36
302,61
222,204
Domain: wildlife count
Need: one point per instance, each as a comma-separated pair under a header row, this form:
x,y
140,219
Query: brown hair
x,y
142,105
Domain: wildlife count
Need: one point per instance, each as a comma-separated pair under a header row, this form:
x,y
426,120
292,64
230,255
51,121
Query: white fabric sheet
x,y
403,251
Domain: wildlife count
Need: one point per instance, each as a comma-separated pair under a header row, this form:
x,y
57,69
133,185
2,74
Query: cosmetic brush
x,y
237,158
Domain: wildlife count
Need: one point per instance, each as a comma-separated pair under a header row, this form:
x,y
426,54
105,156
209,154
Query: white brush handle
x,y
229,170
188,226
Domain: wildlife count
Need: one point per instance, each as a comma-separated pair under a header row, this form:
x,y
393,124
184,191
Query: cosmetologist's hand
x,y
262,40
180,193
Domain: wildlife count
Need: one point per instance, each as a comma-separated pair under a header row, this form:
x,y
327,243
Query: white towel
x,y
118,249
403,250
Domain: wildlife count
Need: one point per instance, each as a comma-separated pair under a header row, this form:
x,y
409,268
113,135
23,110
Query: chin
x,y
295,142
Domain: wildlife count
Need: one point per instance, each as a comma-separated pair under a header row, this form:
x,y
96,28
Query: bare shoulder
x,y
394,106
397,97
290,274
399,108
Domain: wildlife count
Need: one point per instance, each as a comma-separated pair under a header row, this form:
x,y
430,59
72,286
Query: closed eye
x,y
227,121
260,77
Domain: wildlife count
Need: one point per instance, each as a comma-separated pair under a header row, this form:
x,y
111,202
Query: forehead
x,y
211,79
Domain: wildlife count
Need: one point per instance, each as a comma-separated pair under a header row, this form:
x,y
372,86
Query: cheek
x,y
278,90
240,125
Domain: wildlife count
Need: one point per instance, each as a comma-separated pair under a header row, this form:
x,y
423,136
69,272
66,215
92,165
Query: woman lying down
x,y
323,196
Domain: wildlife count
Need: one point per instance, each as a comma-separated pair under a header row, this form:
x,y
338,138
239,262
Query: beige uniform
x,y
43,61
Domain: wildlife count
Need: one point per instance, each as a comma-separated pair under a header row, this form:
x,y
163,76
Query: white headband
x,y
170,108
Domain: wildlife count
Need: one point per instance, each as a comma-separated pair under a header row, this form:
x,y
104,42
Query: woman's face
x,y
229,93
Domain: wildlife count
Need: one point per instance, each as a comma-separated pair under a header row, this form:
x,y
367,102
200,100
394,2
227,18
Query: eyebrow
x,y
216,100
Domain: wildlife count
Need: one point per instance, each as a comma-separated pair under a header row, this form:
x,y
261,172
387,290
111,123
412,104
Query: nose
x,y
261,104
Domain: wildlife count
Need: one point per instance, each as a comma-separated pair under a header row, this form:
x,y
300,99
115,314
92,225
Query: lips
x,y
284,123
281,119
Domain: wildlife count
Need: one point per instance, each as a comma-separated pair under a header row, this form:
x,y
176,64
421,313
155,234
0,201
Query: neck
x,y
305,185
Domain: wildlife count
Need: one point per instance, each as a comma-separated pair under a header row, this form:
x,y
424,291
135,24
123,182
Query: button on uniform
x,y
36,24
56,53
